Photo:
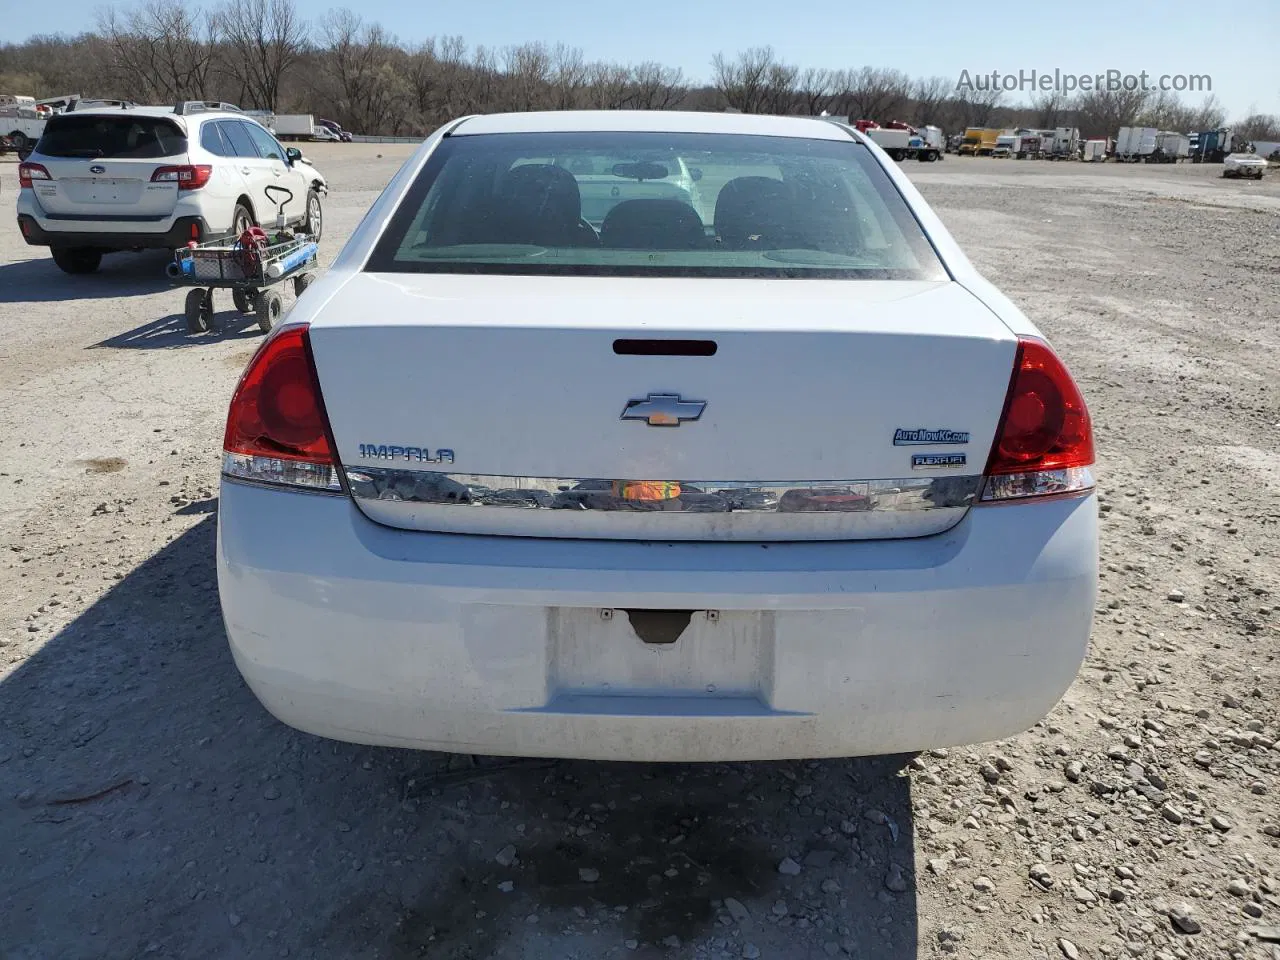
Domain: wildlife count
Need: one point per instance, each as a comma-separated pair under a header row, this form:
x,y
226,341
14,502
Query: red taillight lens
x,y
31,171
1044,444
277,430
186,177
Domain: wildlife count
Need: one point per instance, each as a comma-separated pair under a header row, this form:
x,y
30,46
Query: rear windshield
x,y
119,138
655,204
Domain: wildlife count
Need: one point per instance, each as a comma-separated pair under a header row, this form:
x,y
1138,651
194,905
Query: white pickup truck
x,y
20,122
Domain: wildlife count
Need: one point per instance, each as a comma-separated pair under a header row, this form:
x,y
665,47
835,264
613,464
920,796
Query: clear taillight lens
x,y
191,177
28,172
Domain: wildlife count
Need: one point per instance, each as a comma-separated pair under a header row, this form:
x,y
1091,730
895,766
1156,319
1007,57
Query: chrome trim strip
x,y
481,491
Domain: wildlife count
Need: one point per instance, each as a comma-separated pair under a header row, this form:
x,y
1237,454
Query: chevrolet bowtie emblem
x,y
663,410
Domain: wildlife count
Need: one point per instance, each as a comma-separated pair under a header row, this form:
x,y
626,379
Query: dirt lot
x,y
149,806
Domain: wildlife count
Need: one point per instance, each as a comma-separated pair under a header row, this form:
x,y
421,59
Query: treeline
x,y
263,54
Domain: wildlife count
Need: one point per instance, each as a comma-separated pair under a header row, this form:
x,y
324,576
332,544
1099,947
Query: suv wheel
x,y
77,259
314,224
241,220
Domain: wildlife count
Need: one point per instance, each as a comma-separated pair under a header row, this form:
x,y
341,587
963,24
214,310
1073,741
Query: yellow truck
x,y
979,141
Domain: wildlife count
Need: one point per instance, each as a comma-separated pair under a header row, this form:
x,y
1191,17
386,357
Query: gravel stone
x,y
895,879
506,856
1183,921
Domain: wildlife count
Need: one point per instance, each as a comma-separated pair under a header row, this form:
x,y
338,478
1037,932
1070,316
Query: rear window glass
x,y
115,137
655,204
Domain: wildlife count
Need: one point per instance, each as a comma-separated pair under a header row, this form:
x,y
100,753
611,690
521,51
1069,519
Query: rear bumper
x,y
496,645
81,233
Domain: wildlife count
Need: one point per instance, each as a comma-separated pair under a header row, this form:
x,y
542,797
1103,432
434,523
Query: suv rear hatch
x,y
831,410
101,166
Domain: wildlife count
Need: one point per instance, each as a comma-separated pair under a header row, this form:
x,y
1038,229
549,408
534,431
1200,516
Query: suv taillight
x,y
277,430
186,177
1044,444
31,171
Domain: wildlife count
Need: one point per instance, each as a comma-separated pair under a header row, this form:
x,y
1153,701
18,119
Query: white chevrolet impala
x,y
740,459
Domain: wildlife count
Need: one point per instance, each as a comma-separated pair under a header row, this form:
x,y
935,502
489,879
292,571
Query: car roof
x,y
157,112
651,121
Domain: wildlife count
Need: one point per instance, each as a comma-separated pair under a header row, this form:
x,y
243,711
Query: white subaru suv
x,y
130,178
785,480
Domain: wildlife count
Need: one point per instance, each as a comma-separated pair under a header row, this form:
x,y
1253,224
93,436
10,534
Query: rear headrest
x,y
662,224
754,210
541,190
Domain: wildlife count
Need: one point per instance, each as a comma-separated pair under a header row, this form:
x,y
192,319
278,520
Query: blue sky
x,y
1236,45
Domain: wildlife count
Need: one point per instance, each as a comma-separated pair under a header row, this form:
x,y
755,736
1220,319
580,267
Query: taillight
x,y
186,177
277,430
1044,444
31,171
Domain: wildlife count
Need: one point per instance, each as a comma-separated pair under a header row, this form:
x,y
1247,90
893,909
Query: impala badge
x,y
97,168
663,410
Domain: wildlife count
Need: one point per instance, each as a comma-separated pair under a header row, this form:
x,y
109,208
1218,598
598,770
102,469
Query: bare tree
x,y
928,94
655,87
1209,115
608,86
977,108
368,71
744,82
1101,113
1166,111
164,49
568,77
877,93
815,90
1049,107
780,89
264,40
1259,126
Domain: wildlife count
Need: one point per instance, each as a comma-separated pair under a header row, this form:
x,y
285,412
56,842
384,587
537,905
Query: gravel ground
x,y
149,806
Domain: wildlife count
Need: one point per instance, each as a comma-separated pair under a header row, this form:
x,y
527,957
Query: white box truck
x,y
1170,147
294,126
902,144
1095,151
1135,143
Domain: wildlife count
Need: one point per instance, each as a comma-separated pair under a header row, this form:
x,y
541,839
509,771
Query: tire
x,y
314,223
20,142
77,259
895,155
242,299
268,308
301,282
241,220
199,310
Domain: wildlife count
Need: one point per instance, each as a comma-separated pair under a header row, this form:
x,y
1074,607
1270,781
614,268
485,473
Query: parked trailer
x,y
1095,151
1170,147
294,126
1267,149
1030,147
1135,143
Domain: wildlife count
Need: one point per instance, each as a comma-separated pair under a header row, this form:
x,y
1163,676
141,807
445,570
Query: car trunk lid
x,y
558,406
